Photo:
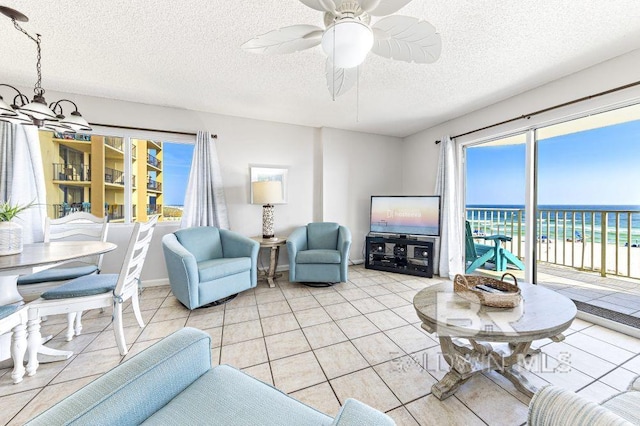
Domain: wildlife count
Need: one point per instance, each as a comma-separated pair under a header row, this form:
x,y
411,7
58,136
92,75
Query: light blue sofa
x,y
319,253
206,264
172,383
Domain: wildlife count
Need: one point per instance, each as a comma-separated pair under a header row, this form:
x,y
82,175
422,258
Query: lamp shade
x,y
267,192
76,122
347,42
38,109
5,109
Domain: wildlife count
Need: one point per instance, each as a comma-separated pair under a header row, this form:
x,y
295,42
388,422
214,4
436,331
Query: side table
x,y
274,244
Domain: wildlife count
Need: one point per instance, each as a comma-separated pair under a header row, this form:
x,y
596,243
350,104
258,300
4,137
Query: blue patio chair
x,y
477,255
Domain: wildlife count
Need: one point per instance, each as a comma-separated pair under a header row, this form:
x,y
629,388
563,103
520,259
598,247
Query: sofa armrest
x,y
183,271
139,387
355,413
554,406
635,384
296,241
237,245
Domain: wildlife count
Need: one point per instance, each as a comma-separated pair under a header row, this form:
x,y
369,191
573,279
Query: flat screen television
x,y
405,215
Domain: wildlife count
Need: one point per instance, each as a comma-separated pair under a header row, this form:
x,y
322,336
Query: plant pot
x,y
10,238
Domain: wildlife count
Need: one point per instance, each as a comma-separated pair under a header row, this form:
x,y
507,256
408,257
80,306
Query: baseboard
x,y
154,283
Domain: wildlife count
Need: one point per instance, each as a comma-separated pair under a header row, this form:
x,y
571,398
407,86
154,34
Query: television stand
x,y
399,254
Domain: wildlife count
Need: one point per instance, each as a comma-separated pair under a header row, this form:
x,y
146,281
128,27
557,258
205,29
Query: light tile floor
x,y
359,339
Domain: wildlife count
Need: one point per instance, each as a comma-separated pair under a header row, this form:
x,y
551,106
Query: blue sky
x,y
176,166
594,167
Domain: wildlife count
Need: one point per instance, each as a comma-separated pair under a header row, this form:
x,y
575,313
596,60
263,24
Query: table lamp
x,y
267,193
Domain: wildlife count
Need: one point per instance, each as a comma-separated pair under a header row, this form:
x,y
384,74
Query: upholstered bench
x,y
172,383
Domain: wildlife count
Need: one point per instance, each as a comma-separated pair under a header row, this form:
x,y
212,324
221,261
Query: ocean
x,y
565,221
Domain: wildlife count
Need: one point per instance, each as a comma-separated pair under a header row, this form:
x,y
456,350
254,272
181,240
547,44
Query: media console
x,y
403,255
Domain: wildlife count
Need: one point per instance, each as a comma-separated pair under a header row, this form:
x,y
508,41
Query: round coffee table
x,y
542,314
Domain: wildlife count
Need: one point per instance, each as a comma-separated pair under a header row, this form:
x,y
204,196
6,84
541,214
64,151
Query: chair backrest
x,y
134,258
470,253
78,226
203,242
322,235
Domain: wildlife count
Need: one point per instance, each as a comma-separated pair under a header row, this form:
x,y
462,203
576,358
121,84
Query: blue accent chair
x,y
172,383
206,264
319,253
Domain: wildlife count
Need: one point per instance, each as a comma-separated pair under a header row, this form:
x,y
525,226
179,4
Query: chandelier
x,y
37,111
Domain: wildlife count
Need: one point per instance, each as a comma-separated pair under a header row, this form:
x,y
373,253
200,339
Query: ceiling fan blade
x,y
382,7
408,39
286,40
321,5
340,80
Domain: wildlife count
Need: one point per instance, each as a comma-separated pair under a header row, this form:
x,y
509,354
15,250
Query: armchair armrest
x,y
137,388
237,245
554,406
355,413
344,244
296,241
183,270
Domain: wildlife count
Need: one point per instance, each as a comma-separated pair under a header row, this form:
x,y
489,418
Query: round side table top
x,y
270,242
542,313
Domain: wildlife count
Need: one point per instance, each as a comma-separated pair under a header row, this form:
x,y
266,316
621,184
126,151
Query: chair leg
x,y
78,324
118,329
71,317
136,309
34,340
18,350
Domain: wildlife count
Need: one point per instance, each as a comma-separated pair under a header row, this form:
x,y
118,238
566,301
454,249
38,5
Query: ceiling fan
x,y
349,37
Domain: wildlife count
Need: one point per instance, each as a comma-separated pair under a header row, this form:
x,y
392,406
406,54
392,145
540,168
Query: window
x,y
123,177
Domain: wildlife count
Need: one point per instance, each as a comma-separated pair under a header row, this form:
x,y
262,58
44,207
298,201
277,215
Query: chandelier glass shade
x,y
347,42
37,112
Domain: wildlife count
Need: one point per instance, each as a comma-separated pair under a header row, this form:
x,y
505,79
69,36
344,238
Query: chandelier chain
x,y
38,90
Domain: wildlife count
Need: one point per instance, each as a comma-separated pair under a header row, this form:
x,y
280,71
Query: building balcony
x,y
65,209
154,209
153,185
71,172
113,176
153,161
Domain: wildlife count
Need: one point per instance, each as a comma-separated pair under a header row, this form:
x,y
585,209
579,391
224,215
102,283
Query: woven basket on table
x,y
463,285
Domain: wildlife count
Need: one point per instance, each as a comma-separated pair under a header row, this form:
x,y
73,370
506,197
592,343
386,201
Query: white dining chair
x,y
95,291
13,319
76,226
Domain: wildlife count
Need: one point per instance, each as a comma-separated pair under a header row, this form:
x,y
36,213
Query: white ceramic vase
x,y
10,238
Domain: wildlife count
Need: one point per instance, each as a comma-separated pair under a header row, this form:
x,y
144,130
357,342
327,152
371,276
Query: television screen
x,y
406,215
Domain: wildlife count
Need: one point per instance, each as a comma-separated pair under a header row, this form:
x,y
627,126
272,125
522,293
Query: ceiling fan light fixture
x,y
76,122
347,42
38,109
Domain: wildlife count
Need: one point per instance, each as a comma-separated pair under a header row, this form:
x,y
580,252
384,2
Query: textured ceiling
x,y
187,54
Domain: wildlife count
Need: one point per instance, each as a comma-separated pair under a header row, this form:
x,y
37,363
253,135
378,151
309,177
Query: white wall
x,y
355,167
420,154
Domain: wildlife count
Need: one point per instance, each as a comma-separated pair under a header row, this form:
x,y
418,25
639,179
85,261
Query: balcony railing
x,y
113,176
607,241
153,161
154,185
154,209
114,142
114,212
64,209
71,172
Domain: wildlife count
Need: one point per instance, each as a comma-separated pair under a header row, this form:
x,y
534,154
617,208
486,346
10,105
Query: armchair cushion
x,y
318,256
213,269
7,310
203,242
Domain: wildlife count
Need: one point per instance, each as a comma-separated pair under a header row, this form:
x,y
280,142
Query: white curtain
x,y
204,202
22,177
452,236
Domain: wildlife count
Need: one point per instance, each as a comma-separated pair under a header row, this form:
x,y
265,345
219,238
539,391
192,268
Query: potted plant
x,y
10,232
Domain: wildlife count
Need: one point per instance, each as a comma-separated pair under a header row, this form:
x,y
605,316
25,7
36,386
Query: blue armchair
x,y
319,253
206,264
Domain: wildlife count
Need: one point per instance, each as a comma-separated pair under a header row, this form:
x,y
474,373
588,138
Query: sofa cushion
x,y
83,286
203,242
318,256
57,274
226,396
213,269
322,235
625,405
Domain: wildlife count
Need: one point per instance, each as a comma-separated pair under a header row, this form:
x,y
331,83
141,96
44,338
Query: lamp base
x,y
267,221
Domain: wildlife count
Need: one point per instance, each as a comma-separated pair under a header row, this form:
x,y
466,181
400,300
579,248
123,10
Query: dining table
x,y
34,258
